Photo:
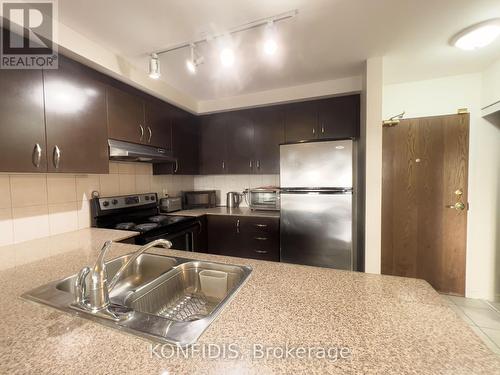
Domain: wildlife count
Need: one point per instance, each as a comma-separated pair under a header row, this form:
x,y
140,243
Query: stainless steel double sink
x,y
163,292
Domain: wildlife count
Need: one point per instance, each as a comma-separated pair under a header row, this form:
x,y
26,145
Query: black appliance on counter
x,y
199,199
140,213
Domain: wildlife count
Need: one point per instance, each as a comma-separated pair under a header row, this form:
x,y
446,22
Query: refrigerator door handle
x,y
317,191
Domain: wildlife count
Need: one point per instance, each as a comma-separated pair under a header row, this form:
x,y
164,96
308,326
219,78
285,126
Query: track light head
x,y
154,66
194,61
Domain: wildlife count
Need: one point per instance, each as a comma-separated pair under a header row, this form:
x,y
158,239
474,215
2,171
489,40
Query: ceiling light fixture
x,y
154,66
477,36
194,61
270,45
227,55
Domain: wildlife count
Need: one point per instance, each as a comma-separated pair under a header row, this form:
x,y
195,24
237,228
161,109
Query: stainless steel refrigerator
x,y
316,225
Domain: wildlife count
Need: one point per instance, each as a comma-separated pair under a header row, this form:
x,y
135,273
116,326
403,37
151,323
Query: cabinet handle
x,y
261,251
56,156
261,225
250,164
314,131
238,226
37,155
258,164
223,165
150,134
142,132
260,238
322,128
176,166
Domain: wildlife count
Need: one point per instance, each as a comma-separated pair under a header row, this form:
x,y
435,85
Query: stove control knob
x,y
105,203
152,197
146,197
114,201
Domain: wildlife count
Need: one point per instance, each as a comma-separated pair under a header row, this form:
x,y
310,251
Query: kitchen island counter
x,y
380,324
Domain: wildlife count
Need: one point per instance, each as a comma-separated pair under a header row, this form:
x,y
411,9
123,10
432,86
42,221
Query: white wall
x,y
371,138
490,95
445,96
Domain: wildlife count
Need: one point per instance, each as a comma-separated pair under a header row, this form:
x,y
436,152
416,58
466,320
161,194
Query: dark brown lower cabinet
x,y
244,236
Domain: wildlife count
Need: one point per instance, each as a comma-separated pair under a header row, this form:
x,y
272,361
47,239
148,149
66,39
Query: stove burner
x,y
125,226
146,226
158,218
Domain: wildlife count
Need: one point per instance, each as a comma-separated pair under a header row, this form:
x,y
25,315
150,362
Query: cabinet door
x,y
125,116
301,121
75,110
22,123
158,124
223,235
239,142
339,117
213,144
185,143
269,133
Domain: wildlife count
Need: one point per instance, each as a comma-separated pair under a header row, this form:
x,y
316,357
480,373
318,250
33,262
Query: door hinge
x,y
462,111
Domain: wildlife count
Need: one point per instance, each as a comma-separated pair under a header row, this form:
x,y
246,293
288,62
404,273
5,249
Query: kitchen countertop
x,y
390,324
241,211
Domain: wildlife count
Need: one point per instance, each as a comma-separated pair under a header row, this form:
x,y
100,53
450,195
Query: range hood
x,y
125,151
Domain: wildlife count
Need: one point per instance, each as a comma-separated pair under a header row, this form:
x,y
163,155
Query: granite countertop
x,y
389,324
241,211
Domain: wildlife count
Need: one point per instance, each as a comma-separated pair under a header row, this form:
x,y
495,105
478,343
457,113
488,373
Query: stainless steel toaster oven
x,y
264,199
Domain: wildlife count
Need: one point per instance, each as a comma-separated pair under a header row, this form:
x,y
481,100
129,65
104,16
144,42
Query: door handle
x,y
36,157
141,128
150,134
56,156
459,206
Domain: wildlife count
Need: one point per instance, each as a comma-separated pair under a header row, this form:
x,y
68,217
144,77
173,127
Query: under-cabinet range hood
x,y
125,151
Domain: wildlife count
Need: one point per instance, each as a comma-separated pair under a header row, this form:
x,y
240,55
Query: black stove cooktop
x,y
146,224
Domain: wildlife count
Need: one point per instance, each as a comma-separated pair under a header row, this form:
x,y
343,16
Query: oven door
x,y
184,239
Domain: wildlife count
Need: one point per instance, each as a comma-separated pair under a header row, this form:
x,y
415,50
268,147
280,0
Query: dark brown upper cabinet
x,y
339,117
75,110
268,134
158,124
126,120
213,153
185,146
239,142
301,121
22,124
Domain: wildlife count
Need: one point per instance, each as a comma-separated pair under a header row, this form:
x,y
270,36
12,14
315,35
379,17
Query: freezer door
x,y
316,229
316,164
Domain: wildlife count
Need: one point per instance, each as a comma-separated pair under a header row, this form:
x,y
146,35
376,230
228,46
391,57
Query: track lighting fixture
x,y
194,61
154,66
227,55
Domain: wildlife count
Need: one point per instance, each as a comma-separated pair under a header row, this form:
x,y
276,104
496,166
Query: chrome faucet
x,y
95,297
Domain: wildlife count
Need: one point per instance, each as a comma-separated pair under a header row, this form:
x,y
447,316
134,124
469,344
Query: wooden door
x,y
338,118
269,133
301,121
239,142
213,144
425,168
75,110
126,116
158,124
22,123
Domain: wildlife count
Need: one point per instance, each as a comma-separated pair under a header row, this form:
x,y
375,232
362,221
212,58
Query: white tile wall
x,y
226,183
39,205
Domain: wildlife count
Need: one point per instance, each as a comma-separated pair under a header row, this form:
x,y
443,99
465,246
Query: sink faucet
x,y
96,298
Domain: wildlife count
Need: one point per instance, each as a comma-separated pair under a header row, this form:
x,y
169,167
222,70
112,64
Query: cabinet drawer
x,y
265,226
263,248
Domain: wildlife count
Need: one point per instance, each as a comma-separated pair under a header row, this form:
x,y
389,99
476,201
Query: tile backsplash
x,y
38,205
226,183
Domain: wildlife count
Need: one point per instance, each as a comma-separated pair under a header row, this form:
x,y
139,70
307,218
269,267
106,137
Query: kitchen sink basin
x,y
165,294
178,295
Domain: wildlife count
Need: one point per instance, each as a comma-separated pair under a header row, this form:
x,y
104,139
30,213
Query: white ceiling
x,y
328,39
